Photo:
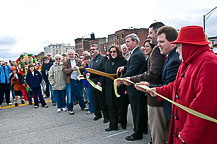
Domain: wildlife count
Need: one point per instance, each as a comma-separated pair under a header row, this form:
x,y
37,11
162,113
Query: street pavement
x,y
27,125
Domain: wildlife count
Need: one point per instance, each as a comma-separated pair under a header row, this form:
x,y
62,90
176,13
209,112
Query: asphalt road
x,y
27,125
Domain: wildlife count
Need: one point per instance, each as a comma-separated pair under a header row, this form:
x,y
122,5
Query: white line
x,y
117,134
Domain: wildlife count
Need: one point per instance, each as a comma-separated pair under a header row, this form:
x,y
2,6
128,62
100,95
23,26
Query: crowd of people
x,y
180,66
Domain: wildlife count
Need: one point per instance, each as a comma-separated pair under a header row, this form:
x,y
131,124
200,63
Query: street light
x,y
204,17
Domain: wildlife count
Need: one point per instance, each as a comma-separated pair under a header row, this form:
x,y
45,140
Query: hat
x,y
13,68
191,35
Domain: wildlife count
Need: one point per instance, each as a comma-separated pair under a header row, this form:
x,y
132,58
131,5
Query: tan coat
x,y
56,77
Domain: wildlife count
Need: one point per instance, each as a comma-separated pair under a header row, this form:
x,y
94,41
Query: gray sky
x,y
30,25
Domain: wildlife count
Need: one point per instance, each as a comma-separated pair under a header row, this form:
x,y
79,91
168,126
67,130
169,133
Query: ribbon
x,y
80,77
193,112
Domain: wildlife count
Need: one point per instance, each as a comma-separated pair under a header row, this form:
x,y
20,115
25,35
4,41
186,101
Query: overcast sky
x,y
30,25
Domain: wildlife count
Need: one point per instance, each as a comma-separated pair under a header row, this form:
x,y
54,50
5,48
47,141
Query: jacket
x,y
45,70
97,63
17,83
57,77
111,67
170,69
67,69
34,81
195,88
5,74
153,74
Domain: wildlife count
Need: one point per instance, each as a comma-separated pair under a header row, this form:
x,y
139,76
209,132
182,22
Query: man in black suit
x,y
97,63
136,65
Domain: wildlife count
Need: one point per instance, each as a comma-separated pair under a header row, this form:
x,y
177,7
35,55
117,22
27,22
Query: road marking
x,y
117,133
20,105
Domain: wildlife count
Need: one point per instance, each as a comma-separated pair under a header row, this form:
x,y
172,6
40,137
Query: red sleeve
x,y
166,90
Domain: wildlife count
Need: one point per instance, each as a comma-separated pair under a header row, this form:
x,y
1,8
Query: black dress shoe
x,y
133,138
105,120
111,129
97,117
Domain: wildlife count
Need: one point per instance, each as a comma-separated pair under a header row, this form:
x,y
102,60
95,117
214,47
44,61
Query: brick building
x,y
83,44
118,38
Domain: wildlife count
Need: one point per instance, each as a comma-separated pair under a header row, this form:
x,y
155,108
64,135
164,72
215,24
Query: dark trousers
x,y
29,94
4,90
138,103
113,116
117,114
47,90
37,93
99,103
122,114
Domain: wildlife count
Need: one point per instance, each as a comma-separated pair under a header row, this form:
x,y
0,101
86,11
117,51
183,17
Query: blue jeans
x,y
71,89
90,99
61,98
53,97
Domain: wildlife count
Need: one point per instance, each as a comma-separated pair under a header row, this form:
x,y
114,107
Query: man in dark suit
x,y
97,63
136,65
160,116
153,76
165,35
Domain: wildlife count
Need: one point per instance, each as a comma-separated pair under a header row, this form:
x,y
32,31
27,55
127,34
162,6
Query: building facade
x,y
54,49
118,38
213,40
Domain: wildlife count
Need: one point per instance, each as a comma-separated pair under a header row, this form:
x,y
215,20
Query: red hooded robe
x,y
194,87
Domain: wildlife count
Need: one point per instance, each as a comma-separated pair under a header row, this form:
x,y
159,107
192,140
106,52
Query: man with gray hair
x,y
73,85
136,65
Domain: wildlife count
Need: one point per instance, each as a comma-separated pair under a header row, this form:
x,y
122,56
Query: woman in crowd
x,y
147,49
57,81
115,105
34,79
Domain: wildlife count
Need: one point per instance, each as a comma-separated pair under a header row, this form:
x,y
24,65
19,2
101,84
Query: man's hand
x,y
87,74
120,69
141,83
143,90
99,84
119,82
151,93
126,82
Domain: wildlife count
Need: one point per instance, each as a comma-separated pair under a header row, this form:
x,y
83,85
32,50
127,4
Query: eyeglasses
x,y
92,49
58,59
45,59
113,51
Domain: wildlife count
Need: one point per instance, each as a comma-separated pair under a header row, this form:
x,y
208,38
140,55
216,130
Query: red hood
x,y
190,52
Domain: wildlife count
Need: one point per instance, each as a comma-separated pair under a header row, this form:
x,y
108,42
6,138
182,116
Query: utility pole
x,y
208,14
